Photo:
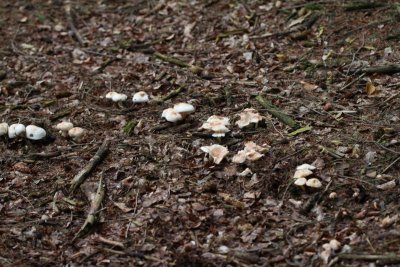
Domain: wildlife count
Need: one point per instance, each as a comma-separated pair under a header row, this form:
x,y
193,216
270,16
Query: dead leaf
x,y
308,86
122,206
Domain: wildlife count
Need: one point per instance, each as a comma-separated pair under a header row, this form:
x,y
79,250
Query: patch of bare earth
x,y
330,67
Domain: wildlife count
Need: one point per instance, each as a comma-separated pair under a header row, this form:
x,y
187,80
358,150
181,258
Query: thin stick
x,y
392,258
178,62
93,217
391,165
84,173
67,8
110,242
276,112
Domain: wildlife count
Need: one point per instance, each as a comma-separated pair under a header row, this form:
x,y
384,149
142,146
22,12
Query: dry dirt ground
x,y
165,202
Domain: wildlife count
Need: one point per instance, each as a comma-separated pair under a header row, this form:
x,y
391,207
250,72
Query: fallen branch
x,y
67,8
178,62
93,217
385,69
173,93
105,65
84,173
392,258
277,113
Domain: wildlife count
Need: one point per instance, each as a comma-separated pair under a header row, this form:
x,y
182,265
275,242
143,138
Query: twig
x,y
392,258
391,165
84,173
276,112
93,215
105,65
110,242
173,93
352,82
67,8
178,62
385,69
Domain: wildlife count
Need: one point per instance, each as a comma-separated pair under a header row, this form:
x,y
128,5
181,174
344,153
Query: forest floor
x,y
155,198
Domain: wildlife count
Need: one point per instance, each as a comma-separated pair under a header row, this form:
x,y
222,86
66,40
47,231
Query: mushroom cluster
x,y
139,97
249,116
178,112
31,132
251,152
67,128
302,172
216,124
216,152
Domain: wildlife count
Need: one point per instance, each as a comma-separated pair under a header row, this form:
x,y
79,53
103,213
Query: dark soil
x,y
166,203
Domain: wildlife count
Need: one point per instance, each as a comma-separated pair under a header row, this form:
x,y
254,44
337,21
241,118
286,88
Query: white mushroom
x,y
300,182
223,120
249,116
171,115
240,157
15,130
314,182
140,97
216,152
63,127
116,97
34,132
305,167
76,133
217,124
3,128
184,109
302,174
251,152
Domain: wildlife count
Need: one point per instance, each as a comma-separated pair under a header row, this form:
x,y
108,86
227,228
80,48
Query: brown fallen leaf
x,y
122,206
308,86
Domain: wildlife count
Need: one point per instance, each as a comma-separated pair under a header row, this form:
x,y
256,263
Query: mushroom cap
x,y
314,182
3,128
216,152
253,155
253,146
305,166
171,115
249,116
117,97
302,174
184,108
64,126
218,127
301,181
76,132
109,95
34,132
218,119
140,97
240,157
16,130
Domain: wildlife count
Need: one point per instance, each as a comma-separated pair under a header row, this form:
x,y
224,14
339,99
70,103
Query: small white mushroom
x,y
184,109
116,97
314,182
15,130
3,128
217,124
249,116
34,132
305,167
76,133
302,174
140,97
215,118
171,115
251,152
63,127
334,244
300,182
216,152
